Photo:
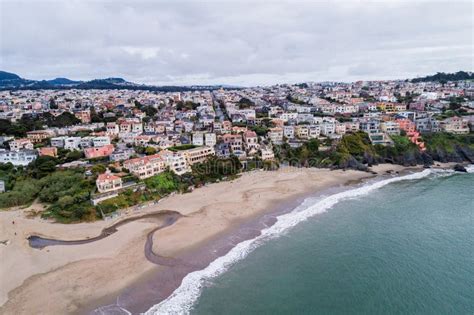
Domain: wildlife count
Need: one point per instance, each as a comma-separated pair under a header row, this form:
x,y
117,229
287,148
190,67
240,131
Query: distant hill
x,y
11,81
62,81
8,76
445,77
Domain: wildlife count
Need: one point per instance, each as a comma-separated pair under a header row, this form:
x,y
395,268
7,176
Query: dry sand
x,y
67,279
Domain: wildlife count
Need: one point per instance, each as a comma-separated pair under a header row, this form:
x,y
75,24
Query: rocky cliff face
x,y
410,157
459,154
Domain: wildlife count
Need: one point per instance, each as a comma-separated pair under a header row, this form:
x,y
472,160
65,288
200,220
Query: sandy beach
x,y
78,278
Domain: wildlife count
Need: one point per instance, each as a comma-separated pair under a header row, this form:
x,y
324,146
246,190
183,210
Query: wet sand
x,y
117,269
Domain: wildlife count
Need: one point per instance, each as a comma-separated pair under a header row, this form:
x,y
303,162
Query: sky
x,y
241,43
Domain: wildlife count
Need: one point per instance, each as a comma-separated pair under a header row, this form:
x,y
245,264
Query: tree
x,y
150,111
313,145
150,150
98,169
95,118
52,104
43,166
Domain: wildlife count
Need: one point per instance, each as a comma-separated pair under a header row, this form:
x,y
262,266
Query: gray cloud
x,y
234,42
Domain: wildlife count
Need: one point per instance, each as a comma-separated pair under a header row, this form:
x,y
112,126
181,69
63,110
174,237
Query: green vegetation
x,y
126,199
444,77
215,169
447,141
163,183
245,103
24,192
260,130
305,155
188,105
29,123
182,147
292,99
407,98
66,192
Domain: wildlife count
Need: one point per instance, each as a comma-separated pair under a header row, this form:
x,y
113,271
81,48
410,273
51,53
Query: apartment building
x,y
20,144
275,134
38,136
146,166
198,155
235,142
456,125
390,127
176,161
210,139
18,158
101,141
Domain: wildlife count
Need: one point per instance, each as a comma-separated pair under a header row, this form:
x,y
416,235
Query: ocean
x,y
401,245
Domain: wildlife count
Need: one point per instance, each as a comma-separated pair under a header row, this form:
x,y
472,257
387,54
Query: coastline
x,y
216,217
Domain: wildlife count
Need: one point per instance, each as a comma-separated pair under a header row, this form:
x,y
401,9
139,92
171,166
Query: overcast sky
x,y
236,42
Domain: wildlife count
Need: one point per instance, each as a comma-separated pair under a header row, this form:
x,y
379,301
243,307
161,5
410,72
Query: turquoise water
x,y
406,248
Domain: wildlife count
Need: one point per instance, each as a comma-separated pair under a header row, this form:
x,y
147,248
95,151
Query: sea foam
x,y
181,301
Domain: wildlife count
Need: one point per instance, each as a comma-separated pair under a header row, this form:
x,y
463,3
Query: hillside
x,y
11,81
445,77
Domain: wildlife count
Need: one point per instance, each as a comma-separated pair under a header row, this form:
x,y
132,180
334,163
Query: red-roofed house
x,y
49,151
98,152
107,182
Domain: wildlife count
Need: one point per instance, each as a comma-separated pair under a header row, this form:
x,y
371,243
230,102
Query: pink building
x,y
49,151
98,152
406,124
414,137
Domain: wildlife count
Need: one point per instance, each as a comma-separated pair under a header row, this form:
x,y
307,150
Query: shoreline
x,y
211,226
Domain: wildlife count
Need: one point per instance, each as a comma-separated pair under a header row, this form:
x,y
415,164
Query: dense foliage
x,y
37,122
305,155
163,183
215,169
444,77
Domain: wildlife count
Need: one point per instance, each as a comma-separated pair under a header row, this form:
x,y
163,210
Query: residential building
x,y
146,166
210,139
101,141
99,152
250,140
267,154
72,143
21,144
18,158
406,124
121,155
456,125
275,134
198,138
176,161
48,151
38,136
198,155
390,127
235,142
107,182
